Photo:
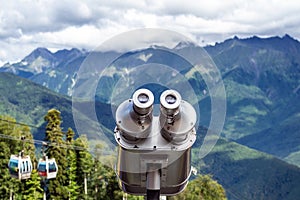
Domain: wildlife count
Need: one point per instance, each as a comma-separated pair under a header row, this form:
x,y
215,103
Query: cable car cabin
x,y
20,167
47,168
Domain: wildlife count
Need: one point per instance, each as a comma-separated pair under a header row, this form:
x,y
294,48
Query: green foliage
x,y
75,165
57,187
73,187
133,197
29,147
73,158
5,186
27,102
33,188
104,180
112,187
284,132
202,188
261,77
105,183
84,166
248,108
26,189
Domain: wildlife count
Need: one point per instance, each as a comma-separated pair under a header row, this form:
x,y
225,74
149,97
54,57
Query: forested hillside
x,y
81,174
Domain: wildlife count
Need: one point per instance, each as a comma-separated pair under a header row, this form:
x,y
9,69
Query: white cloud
x,y
25,25
211,9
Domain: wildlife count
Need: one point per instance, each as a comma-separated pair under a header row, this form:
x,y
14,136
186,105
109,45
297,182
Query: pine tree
x,y
97,180
5,186
104,180
28,145
73,187
10,146
112,187
84,167
57,188
10,128
33,188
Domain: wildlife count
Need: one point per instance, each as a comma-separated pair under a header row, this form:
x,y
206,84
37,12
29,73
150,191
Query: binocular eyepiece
x,y
176,119
170,101
143,100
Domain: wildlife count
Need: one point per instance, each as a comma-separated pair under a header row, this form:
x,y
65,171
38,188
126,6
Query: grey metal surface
x,y
159,145
153,179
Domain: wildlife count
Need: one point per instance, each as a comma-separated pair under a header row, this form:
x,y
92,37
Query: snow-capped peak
x,y
184,44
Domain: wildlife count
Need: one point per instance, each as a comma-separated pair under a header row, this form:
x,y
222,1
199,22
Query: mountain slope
x,y
249,174
53,70
36,62
275,141
27,101
262,80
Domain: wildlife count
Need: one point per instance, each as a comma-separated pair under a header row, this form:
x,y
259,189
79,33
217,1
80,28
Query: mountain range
x,y
245,173
262,82
261,78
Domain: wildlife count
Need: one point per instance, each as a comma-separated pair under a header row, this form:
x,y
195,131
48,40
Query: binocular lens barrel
x,y
170,101
143,100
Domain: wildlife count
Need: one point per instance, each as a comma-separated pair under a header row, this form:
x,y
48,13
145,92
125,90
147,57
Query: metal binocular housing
x,y
154,152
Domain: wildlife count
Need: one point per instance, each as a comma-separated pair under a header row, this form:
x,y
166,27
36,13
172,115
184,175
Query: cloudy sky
x,y
57,24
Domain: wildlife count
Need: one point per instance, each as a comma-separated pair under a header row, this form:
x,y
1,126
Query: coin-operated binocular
x,y
154,154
